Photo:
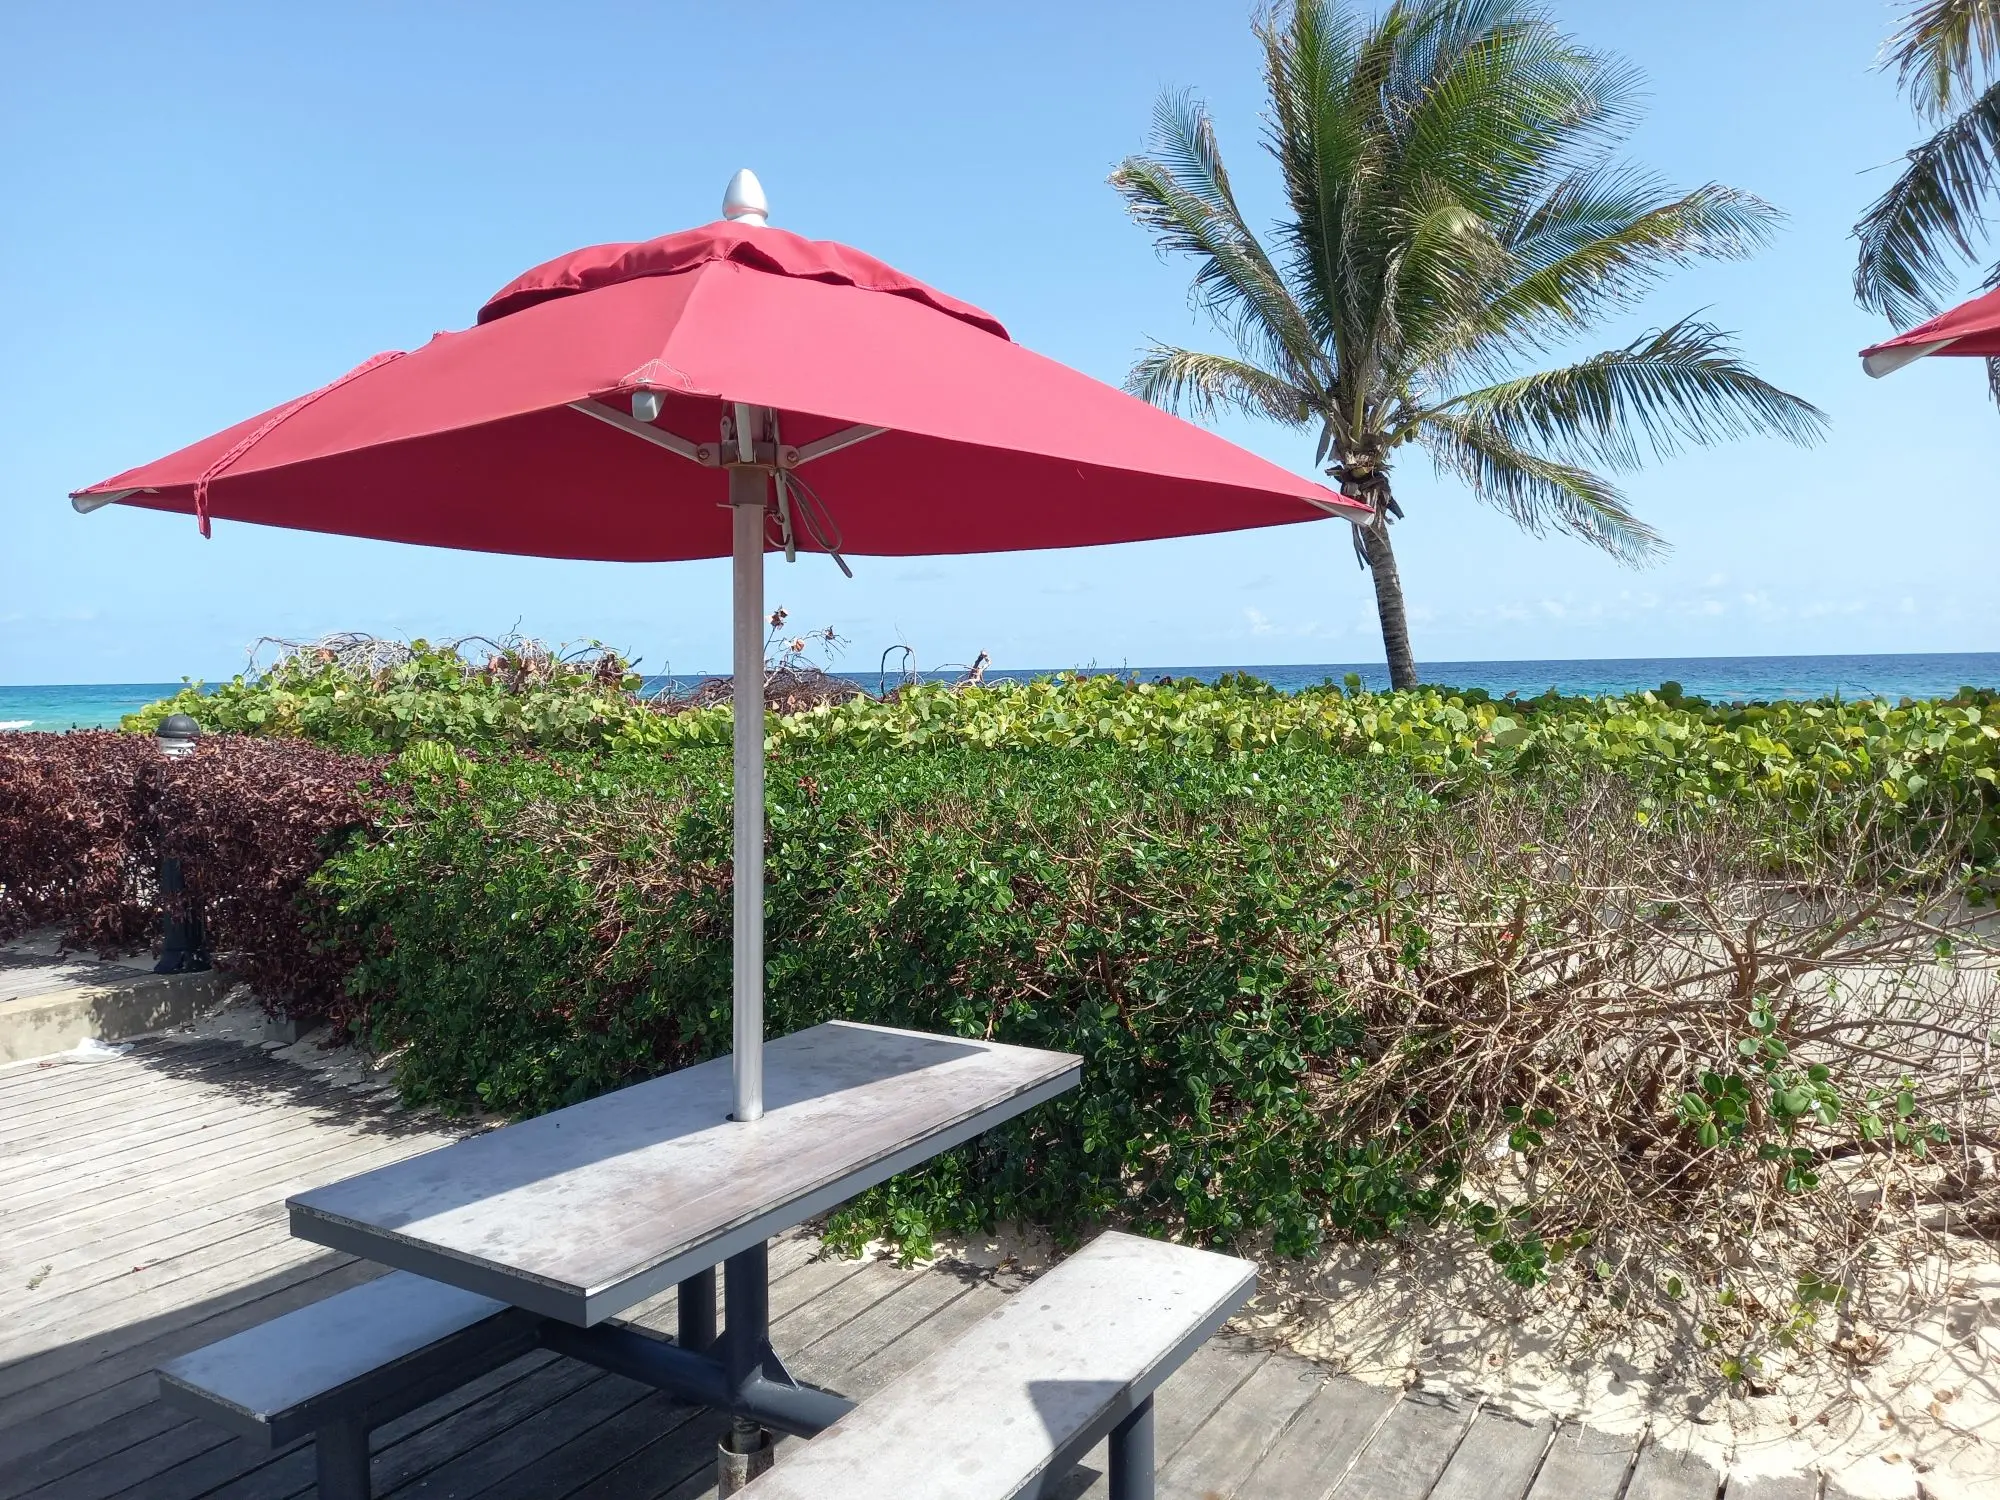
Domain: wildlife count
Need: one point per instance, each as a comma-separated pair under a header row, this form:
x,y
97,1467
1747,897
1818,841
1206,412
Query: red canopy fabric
x,y
472,441
1971,328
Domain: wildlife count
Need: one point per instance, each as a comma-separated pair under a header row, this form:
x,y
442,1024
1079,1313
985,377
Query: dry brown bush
x,y
1558,981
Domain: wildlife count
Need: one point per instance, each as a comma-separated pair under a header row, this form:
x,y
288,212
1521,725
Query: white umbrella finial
x,y
743,201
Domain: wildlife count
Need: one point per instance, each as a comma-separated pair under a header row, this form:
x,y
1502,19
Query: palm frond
x,y
1510,104
1324,70
1182,194
1536,491
1681,385
1602,239
1203,385
1917,233
1940,47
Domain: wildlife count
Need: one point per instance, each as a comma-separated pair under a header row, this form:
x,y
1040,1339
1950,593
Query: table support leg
x,y
746,1302
340,1457
746,1347
697,1311
1131,1476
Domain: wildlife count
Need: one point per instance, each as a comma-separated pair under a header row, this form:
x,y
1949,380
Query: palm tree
x,y
1457,209
1932,220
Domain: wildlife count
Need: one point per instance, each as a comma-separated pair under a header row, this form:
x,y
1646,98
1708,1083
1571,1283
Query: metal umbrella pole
x,y
748,486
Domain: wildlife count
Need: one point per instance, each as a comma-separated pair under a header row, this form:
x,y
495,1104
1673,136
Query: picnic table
x,y
540,1233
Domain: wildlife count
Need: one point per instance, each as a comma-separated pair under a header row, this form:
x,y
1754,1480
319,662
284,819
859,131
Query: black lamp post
x,y
183,945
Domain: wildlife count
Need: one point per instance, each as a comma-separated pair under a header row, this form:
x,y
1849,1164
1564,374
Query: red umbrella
x,y
1970,328
611,403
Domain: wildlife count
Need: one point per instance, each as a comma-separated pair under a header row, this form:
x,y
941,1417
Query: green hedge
x,y
544,929
1922,756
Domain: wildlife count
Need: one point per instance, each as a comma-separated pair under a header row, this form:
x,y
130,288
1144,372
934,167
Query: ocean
x,y
1731,678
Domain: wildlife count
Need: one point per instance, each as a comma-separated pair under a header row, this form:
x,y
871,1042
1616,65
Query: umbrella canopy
x,y
1971,328
483,439
614,403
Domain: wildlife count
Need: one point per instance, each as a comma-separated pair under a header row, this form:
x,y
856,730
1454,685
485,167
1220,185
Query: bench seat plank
x,y
1018,1399
281,1379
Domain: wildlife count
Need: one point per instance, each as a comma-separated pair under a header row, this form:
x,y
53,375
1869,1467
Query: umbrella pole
x,y
747,487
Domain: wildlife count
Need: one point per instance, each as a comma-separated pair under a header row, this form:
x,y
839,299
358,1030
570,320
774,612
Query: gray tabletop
x,y
583,1213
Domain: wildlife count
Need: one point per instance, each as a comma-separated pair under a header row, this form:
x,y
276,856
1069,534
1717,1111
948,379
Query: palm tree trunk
x,y
1389,603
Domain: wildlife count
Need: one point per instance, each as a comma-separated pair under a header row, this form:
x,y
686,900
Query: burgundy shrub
x,y
250,820
85,818
75,849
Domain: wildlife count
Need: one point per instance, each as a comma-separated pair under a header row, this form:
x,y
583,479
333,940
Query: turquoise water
x,y
101,705
97,705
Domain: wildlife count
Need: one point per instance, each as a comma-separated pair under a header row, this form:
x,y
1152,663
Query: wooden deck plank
x,y
198,1150
1408,1451
655,1425
523,1443
171,1281
109,1087
139,1466
1497,1460
242,1463
914,1343
153,1141
100,1443
99,1220
851,1358
1583,1464
1669,1473
656,1445
830,1360
421,1457
76,1121
1221,1453
1312,1454
809,1322
97,1201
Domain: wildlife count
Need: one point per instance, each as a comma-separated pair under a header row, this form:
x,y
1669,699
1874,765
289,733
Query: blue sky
x,y
210,209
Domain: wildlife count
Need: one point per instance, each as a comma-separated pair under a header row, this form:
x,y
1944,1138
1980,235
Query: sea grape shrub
x,y
537,931
1314,995
74,853
251,820
519,694
1918,759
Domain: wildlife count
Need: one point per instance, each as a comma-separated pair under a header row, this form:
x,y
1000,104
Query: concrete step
x,y
50,1001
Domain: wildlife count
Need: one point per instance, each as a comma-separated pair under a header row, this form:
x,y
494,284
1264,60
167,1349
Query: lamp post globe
x,y
177,735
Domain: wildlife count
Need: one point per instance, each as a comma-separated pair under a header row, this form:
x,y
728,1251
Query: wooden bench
x,y
348,1364
1012,1407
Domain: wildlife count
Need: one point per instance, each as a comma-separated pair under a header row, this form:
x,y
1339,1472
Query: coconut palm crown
x,y
1917,237
1457,211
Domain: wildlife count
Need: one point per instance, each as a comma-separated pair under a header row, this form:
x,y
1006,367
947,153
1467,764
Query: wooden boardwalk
x,y
141,1215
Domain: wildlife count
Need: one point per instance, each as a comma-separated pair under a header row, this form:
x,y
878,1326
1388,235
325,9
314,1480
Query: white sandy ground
x,y
1920,1420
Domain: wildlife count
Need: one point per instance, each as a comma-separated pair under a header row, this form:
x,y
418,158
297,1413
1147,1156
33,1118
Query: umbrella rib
x,y
833,442
700,453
